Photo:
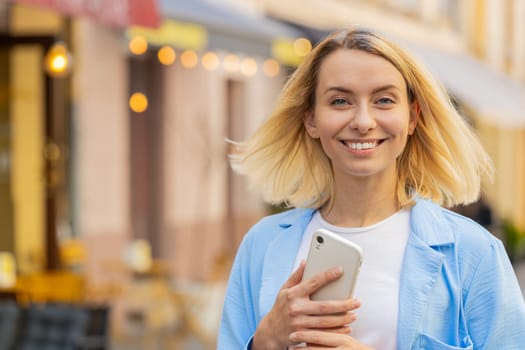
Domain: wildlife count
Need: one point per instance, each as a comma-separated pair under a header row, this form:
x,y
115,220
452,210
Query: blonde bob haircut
x,y
443,160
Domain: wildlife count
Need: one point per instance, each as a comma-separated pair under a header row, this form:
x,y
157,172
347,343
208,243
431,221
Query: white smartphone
x,y
328,250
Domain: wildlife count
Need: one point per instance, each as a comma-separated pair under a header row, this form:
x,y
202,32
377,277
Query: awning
x,y
229,28
116,13
496,98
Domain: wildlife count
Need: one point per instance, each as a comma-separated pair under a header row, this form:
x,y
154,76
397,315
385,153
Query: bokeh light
x,y
271,67
166,55
138,45
248,67
189,59
210,61
302,47
138,102
231,63
58,60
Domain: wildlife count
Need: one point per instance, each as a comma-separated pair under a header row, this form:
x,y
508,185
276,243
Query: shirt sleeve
x,y
494,304
238,321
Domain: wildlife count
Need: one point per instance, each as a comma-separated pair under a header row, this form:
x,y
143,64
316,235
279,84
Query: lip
x,y
361,145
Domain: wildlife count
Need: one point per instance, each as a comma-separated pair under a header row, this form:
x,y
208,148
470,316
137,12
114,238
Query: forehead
x,y
351,67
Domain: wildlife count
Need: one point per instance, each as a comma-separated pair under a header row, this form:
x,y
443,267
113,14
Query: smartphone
x,y
328,250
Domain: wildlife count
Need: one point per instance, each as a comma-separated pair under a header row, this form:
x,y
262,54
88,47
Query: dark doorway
x,y
146,151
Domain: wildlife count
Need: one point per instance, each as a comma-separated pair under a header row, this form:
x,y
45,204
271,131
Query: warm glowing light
x,y
249,67
210,61
231,63
189,59
138,102
58,60
59,63
138,45
166,55
7,270
138,255
302,47
271,67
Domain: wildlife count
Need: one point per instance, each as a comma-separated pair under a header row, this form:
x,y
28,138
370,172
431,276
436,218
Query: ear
x,y
309,124
415,111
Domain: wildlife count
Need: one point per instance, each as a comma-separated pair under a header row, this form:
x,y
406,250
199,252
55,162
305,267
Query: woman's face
x,y
362,115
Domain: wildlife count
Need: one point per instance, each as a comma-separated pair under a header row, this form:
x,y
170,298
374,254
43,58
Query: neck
x,y
361,204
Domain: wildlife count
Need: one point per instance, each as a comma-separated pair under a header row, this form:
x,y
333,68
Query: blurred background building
x,y
113,164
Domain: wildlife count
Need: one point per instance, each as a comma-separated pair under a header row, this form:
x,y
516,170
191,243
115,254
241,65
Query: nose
x,y
363,120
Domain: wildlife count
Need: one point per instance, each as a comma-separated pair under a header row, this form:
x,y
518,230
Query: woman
x,y
366,144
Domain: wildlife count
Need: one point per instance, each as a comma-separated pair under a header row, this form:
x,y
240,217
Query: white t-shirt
x,y
378,285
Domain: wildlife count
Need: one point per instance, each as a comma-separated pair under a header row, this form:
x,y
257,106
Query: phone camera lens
x,y
320,239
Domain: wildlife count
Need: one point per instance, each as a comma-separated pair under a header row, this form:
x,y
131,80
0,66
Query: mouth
x,y
362,145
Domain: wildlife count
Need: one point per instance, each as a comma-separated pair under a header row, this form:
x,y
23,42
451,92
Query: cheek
x,y
327,127
330,122
396,125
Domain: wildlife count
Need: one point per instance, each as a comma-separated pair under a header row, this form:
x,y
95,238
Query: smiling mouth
x,y
360,146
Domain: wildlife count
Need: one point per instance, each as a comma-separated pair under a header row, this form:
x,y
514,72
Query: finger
x,y
328,321
314,283
323,339
330,307
314,347
346,330
296,277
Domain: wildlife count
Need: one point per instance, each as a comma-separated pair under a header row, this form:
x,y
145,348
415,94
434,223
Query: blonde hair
x,y
442,161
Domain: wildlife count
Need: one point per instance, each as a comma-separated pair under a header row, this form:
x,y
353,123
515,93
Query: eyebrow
x,y
349,91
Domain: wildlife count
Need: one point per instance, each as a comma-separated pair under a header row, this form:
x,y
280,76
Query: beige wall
x,y
101,161
196,217
518,42
495,33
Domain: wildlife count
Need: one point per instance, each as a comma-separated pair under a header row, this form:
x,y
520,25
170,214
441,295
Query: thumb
x,y
296,276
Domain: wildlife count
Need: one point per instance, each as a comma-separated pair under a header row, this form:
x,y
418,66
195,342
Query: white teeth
x,y
362,145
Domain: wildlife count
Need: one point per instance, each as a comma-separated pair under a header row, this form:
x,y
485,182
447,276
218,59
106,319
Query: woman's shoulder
x,y
469,232
462,241
271,225
462,231
274,228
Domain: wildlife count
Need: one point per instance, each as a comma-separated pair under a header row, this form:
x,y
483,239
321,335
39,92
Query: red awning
x,y
115,13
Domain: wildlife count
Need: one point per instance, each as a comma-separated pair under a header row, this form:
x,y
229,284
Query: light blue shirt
x,y
458,288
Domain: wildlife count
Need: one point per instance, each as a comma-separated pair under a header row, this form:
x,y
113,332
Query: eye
x,y
339,102
385,101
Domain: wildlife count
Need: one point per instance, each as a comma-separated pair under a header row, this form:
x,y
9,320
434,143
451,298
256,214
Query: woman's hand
x,y
294,311
324,340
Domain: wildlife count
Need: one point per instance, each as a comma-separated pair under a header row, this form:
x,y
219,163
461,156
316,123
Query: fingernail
x,y
293,337
337,270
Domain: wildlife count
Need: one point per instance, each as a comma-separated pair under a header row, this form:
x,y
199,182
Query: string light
x,y
302,47
166,55
231,63
248,67
138,102
138,45
189,59
271,67
210,61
